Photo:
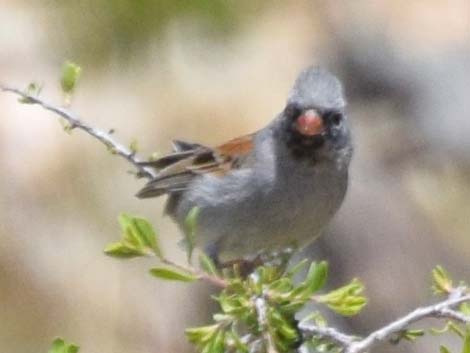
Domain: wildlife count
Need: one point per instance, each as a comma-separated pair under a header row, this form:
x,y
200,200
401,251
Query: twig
x,y
439,310
100,135
117,148
214,280
262,312
351,344
329,333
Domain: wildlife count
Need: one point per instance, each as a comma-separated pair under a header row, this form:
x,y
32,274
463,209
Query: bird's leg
x,y
244,266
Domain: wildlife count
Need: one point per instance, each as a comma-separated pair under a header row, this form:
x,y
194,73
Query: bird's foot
x,y
242,267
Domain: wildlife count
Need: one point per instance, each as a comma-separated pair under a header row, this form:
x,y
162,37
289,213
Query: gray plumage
x,y
279,191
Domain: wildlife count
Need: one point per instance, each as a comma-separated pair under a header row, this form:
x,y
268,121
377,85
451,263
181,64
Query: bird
x,y
267,191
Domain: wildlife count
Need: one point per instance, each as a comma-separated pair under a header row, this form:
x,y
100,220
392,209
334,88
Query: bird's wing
x,y
177,170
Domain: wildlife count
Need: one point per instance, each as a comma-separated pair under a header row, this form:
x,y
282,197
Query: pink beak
x,y
310,123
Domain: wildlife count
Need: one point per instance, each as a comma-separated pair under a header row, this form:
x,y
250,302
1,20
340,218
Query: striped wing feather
x,y
177,170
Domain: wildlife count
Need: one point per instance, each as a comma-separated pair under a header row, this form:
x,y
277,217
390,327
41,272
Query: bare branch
x,y
440,310
100,135
262,312
329,333
454,315
351,344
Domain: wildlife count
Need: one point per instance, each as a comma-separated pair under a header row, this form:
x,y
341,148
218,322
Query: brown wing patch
x,y
227,156
237,147
177,170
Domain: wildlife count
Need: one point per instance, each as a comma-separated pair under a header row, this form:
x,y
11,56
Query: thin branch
x,y
214,280
454,315
351,344
328,333
100,135
262,313
439,310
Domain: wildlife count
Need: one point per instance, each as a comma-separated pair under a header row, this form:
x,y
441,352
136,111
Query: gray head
x,y
313,123
316,87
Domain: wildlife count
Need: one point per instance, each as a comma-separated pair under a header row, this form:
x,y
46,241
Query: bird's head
x,y
314,121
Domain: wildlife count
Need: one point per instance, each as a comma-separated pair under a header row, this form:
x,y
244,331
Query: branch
x,y
262,313
100,135
329,333
351,344
214,280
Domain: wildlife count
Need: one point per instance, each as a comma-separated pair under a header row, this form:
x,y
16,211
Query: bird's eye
x,y
336,118
293,111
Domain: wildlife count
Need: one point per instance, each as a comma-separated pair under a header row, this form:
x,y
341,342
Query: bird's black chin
x,y
312,142
304,147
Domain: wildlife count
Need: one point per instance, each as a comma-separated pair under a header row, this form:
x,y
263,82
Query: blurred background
x,y
207,71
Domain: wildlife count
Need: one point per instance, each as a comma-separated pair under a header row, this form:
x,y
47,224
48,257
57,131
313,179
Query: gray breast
x,y
260,209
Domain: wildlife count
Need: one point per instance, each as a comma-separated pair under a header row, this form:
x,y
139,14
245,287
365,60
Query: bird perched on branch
x,y
269,190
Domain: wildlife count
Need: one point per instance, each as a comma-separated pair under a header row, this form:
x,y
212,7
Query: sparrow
x,y
273,189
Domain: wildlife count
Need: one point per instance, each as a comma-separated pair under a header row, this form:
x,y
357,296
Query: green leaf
x,y
190,225
315,280
297,268
139,234
208,265
347,300
442,283
449,327
60,346
219,342
317,276
70,76
201,335
466,343
236,341
172,275
33,89
409,335
122,251
465,309
134,146
282,285
316,318
280,324
443,349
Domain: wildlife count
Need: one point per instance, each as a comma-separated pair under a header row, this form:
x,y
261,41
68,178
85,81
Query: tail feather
x,y
167,160
164,185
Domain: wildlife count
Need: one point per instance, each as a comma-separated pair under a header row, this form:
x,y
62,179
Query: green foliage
x,y
60,346
347,300
465,347
408,335
443,349
190,225
243,325
172,274
237,326
33,89
134,146
466,343
208,266
138,239
442,283
70,75
465,309
239,316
